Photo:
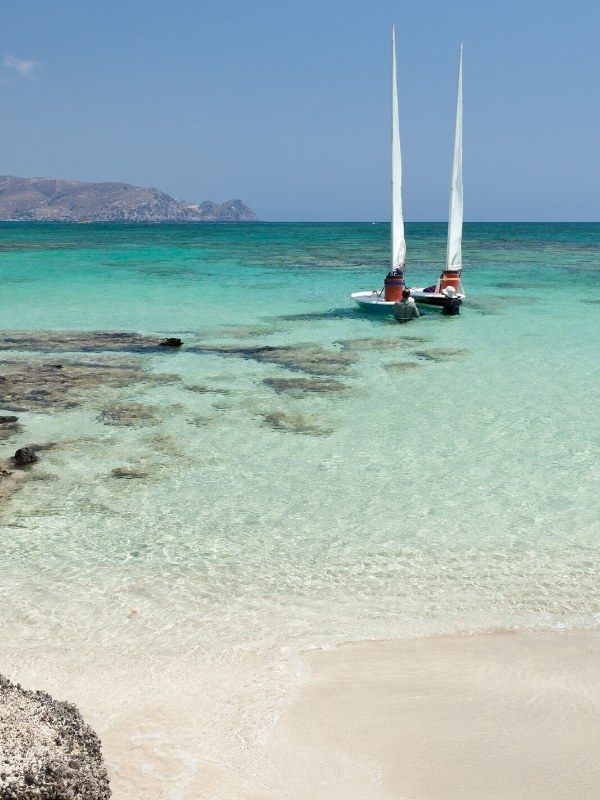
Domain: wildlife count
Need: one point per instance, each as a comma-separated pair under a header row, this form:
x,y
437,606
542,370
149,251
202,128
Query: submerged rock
x,y
25,455
48,751
308,358
32,386
79,342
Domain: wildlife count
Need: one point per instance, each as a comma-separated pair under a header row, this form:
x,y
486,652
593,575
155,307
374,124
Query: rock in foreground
x,y
47,751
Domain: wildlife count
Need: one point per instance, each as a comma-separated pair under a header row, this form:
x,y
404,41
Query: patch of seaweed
x,y
294,423
240,332
491,305
380,344
440,353
199,420
516,285
312,359
128,473
166,444
332,313
129,414
400,366
300,387
203,389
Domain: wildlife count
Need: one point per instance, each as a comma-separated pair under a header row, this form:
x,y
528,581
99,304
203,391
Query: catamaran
x,y
383,300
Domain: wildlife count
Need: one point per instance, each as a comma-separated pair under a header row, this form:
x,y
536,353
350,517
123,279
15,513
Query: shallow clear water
x,y
447,482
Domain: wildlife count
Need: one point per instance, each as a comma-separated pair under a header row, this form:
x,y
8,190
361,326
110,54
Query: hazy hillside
x,y
50,200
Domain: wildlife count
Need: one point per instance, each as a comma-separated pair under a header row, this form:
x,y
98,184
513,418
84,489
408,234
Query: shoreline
x,y
451,718
439,718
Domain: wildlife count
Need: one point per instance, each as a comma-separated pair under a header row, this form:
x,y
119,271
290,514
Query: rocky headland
x,y
47,751
52,200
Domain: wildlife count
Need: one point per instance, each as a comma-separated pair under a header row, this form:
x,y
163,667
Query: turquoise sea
x,y
361,480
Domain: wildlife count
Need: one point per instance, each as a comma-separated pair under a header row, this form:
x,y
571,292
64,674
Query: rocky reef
x,y
89,361
47,751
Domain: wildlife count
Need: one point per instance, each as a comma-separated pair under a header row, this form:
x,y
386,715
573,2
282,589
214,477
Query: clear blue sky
x,y
285,103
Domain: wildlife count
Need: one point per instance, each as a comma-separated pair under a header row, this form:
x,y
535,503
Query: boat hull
x,y
431,298
374,301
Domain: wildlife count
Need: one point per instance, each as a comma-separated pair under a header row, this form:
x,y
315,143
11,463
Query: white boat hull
x,y
374,301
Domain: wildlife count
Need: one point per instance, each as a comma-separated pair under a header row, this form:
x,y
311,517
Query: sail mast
x,y
455,218
398,255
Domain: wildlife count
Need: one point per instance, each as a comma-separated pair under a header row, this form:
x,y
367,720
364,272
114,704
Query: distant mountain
x,y
49,200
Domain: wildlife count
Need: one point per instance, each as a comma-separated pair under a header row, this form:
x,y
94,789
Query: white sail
x,y
398,242
455,219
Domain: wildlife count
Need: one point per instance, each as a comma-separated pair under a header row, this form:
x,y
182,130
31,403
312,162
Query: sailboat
x,y
383,300
451,274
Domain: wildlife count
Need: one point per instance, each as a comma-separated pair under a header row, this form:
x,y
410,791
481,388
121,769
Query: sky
x,y
285,104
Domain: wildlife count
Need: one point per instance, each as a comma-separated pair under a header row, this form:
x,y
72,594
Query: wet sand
x,y
463,718
487,717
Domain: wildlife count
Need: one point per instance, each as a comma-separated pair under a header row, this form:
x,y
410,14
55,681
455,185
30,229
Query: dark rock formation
x,y
24,456
34,386
50,200
48,752
79,342
171,341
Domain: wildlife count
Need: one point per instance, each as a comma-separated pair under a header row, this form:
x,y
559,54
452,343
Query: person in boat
x,y
452,303
406,309
434,286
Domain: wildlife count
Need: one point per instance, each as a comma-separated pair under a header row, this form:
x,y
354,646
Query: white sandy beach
x,y
459,718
